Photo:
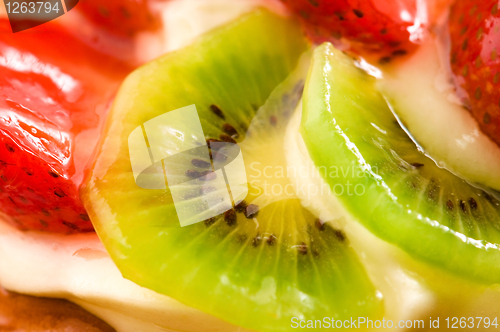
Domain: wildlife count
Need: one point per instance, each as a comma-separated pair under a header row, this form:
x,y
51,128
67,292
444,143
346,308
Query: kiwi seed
x,y
302,248
209,221
463,207
207,189
207,176
230,217
241,206
220,157
251,211
472,203
339,235
217,111
256,241
228,129
227,138
432,194
192,173
241,238
200,163
319,225
213,140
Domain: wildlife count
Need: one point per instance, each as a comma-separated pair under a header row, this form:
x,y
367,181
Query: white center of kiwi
x,y
265,160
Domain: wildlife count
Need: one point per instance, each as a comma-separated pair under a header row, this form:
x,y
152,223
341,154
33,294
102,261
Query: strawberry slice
x,y
54,92
369,26
122,17
475,61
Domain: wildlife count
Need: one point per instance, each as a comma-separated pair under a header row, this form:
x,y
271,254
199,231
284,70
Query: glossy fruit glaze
x,y
122,17
379,30
475,43
369,26
55,88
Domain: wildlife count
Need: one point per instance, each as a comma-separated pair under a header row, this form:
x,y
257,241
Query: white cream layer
x,y
424,98
185,20
411,290
78,268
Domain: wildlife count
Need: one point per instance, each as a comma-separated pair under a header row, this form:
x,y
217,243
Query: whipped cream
x,y
424,98
185,20
78,268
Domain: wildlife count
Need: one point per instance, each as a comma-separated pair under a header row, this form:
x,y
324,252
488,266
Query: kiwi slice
x,y
396,191
265,259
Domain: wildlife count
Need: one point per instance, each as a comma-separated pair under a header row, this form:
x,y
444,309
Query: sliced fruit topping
x,y
369,26
121,17
402,196
261,261
475,46
444,129
54,91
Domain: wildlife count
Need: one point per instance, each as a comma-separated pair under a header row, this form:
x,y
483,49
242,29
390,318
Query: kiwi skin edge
x,y
292,267
427,211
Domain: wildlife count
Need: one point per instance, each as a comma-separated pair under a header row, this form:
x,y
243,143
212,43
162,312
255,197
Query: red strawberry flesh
x,y
370,26
54,92
121,17
475,46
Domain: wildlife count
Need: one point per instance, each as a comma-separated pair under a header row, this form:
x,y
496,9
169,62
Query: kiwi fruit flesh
x,y
402,196
264,260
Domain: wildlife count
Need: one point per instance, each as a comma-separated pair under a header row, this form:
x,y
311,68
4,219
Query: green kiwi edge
x,y
259,277
403,196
